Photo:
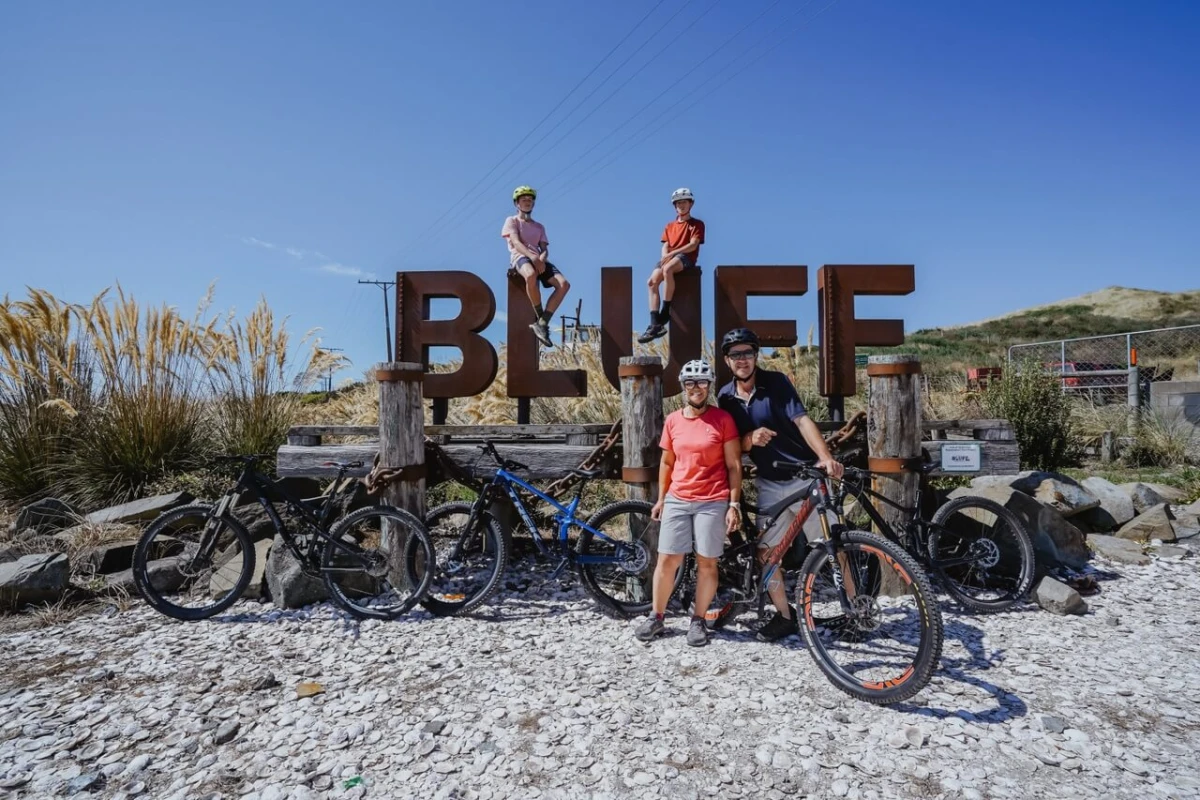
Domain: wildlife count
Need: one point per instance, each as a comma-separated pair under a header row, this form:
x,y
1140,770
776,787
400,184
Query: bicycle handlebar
x,y
505,463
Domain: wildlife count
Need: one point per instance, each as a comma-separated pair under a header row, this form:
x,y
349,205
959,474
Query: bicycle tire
x,y
493,537
169,520
929,651
1022,548
418,583
588,572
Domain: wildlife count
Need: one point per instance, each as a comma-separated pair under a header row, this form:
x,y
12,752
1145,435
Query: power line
x,y
470,192
671,114
532,147
658,97
387,322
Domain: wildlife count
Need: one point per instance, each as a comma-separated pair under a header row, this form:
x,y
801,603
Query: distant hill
x,y
1116,309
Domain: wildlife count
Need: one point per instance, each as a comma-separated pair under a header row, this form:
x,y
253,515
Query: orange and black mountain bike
x,y
866,609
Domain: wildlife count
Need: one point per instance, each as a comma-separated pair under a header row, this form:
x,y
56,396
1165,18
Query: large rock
x,y
1170,494
257,523
1142,496
46,516
1115,509
37,578
139,510
991,481
1117,549
165,576
1059,492
106,558
222,582
1055,540
288,585
1058,598
1153,524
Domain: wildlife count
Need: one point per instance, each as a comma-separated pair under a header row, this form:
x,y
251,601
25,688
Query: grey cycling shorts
x,y
688,525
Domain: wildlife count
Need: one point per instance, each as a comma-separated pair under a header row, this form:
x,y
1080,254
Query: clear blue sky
x,y
1016,152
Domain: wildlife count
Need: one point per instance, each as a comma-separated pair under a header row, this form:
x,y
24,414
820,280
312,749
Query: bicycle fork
x,y
839,562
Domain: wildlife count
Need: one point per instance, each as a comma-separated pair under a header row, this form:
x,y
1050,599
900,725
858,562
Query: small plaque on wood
x,y
961,457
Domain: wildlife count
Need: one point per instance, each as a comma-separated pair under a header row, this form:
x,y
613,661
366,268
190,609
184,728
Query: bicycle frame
x,y
565,516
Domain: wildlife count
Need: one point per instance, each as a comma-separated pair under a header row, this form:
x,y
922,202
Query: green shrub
x,y
1162,439
1033,401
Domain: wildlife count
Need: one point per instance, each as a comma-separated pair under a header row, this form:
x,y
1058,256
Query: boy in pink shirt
x,y
528,252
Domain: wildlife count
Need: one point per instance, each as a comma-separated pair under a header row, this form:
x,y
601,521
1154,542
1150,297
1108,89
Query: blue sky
x,y
1015,152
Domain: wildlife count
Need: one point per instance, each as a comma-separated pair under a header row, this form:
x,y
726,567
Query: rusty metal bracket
x,y
390,375
894,465
639,474
639,370
903,368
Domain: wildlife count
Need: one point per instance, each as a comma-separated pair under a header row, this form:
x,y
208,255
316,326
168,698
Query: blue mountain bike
x,y
613,551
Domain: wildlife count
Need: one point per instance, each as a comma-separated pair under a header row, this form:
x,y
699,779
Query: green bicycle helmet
x,y
521,190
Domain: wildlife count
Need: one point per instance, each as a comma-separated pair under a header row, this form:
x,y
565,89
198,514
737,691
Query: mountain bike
x,y
195,561
866,609
613,554
977,549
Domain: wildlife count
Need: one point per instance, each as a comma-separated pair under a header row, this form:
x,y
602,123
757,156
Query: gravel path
x,y
547,698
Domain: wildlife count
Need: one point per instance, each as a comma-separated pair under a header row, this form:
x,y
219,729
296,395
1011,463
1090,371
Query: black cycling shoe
x,y
778,628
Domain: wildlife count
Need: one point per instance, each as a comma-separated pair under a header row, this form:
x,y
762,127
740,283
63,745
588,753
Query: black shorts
x,y
546,274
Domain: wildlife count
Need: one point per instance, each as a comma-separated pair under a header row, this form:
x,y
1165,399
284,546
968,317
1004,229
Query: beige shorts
x,y
772,492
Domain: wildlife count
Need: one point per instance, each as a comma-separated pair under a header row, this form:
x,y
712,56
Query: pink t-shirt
x,y
699,447
531,234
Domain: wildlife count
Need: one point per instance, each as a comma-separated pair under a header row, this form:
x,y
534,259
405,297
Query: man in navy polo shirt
x,y
774,426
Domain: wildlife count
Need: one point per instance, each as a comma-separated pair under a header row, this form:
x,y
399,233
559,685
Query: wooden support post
x,y
441,410
402,432
641,424
303,440
894,433
524,405
1108,447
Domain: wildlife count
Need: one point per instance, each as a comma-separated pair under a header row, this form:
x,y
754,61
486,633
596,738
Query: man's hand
x,y
656,511
733,518
761,436
832,467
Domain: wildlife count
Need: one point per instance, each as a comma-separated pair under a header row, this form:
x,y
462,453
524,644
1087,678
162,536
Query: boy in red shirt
x,y
681,242
699,486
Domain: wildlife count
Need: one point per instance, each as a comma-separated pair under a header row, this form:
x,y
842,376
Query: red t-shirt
x,y
680,232
699,447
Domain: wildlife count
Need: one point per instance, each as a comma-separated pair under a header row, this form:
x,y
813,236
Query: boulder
x,y
1155,523
257,523
287,583
165,576
46,516
1058,598
106,558
1170,551
1171,494
1142,496
139,510
1116,507
1114,548
1059,492
1055,540
990,481
222,582
36,578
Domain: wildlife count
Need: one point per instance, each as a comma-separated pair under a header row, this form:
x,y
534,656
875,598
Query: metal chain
x,y
593,460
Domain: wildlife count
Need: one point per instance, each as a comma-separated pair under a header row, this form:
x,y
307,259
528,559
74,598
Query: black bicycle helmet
x,y
738,336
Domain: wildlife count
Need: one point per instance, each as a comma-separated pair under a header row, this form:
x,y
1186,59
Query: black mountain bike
x,y
866,609
613,552
195,561
977,549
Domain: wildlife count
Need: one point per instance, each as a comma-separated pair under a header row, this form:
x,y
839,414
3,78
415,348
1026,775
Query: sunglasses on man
x,y
741,355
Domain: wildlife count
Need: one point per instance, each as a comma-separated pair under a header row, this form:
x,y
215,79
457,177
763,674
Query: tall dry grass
x,y
103,400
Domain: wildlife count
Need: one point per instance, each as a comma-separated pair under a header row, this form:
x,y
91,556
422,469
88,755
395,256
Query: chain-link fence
x,y
1120,367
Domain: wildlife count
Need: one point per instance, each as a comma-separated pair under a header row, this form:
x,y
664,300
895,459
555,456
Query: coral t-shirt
x,y
681,232
699,446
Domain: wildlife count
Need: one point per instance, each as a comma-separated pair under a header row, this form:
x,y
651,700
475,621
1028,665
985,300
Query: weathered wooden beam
x,y
461,431
544,460
642,424
964,424
995,458
401,444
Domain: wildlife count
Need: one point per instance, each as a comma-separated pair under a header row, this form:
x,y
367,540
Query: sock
x,y
546,317
659,617
537,311
664,316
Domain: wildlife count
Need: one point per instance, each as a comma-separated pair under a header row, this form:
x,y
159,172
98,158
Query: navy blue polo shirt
x,y
774,405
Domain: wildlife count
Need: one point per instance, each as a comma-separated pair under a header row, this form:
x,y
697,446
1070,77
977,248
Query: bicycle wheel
x,y
190,565
886,645
364,564
623,586
981,554
470,563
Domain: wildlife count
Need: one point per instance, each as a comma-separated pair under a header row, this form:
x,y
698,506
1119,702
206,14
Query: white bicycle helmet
x,y
683,193
697,370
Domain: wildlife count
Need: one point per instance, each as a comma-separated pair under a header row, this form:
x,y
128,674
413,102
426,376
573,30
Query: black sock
x,y
664,316
546,317
537,311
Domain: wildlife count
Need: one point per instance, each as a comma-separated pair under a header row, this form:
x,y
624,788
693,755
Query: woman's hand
x,y
656,511
733,519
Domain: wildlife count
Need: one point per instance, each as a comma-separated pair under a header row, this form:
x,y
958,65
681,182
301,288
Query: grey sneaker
x,y
697,635
652,332
542,331
652,626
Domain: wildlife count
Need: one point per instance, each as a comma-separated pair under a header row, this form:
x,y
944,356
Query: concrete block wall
x,y
1178,396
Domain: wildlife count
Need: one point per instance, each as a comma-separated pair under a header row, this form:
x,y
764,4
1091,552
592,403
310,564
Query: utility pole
x,y
387,319
329,379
